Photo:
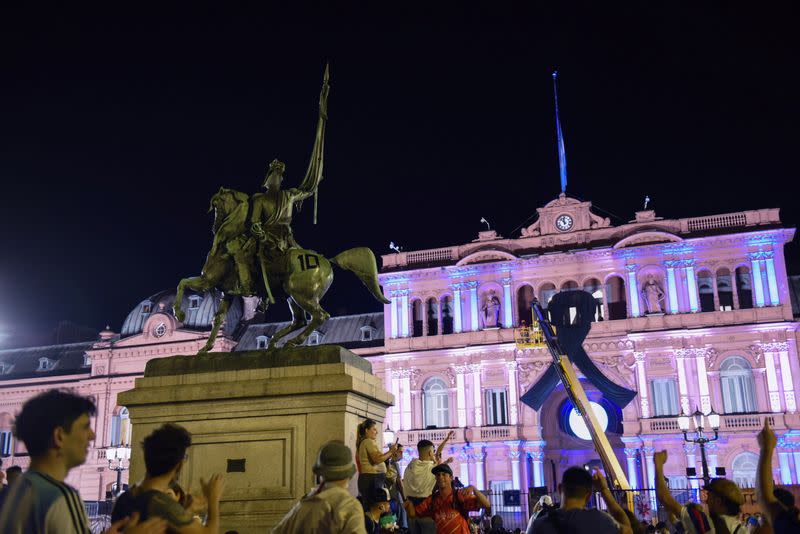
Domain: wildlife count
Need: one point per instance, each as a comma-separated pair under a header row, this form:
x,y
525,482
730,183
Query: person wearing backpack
x,y
449,507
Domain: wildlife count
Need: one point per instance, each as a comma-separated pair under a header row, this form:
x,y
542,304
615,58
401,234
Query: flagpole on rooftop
x,y
562,155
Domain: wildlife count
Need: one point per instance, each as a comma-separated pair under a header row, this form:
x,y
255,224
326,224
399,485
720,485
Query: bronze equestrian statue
x,y
254,252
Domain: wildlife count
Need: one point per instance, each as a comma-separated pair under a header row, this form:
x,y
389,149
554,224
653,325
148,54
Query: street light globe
x,y
388,436
713,420
698,419
111,453
683,422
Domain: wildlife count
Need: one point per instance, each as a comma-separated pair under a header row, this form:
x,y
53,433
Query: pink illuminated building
x,y
691,313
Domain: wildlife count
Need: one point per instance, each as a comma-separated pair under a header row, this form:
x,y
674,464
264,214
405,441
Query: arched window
x,y
432,311
524,300
595,288
447,315
744,469
705,288
743,288
416,318
546,293
569,285
738,387
724,289
121,428
615,297
435,403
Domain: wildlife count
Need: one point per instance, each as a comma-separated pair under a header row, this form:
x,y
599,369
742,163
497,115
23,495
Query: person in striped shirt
x,y
56,429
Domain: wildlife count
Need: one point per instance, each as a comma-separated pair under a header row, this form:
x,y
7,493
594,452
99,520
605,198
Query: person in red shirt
x,y
449,507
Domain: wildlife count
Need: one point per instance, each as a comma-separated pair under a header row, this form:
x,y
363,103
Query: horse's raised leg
x,y
298,321
222,311
318,316
198,283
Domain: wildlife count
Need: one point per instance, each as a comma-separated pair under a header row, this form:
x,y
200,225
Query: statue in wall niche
x,y
491,310
653,295
254,253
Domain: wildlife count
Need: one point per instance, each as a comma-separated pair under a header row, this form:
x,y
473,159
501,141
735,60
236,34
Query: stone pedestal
x,y
259,417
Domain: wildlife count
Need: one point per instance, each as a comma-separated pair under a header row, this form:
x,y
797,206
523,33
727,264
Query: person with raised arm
x,y
777,504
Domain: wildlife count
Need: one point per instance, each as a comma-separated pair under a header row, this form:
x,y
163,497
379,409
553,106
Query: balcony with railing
x,y
462,435
728,423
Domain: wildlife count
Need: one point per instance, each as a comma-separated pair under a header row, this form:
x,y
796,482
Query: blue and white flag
x,y
562,154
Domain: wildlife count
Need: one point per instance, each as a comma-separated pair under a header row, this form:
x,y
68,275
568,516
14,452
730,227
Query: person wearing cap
x,y
377,505
449,507
724,503
329,508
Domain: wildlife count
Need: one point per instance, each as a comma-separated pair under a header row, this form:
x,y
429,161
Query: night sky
x,y
116,127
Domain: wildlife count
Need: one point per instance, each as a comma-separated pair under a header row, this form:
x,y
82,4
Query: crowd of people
x,y
55,427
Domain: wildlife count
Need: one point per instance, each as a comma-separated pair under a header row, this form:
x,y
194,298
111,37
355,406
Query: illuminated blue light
x,y
633,291
773,282
692,282
457,317
673,290
404,315
758,283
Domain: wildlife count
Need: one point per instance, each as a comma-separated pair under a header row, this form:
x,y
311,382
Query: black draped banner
x,y
571,334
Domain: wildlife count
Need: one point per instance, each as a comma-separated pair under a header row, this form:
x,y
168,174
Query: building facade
x,y
691,313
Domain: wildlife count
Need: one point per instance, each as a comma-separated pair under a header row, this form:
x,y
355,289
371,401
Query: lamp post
x,y
698,418
117,456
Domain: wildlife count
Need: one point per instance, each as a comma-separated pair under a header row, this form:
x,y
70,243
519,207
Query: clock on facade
x,y
564,222
160,330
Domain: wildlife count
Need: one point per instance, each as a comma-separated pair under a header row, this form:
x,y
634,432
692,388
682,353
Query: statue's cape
x,y
571,336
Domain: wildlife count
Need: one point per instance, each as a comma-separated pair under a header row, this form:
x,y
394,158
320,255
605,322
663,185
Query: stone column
x,y
772,281
672,291
782,351
405,313
758,280
480,475
508,308
633,292
605,304
416,409
474,322
651,466
772,380
633,478
535,450
458,324
683,389
702,381
796,456
691,284
397,409
463,466
713,458
423,306
514,456
393,313
405,395
477,394
734,288
513,409
716,290
461,394
643,389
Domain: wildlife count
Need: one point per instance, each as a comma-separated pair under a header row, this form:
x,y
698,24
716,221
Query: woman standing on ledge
x,y
369,459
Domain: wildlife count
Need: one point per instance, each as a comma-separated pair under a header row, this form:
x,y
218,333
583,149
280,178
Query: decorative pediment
x,y
565,215
486,256
649,237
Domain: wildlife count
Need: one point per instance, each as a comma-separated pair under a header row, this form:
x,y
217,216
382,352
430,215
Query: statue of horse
x,y
302,275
